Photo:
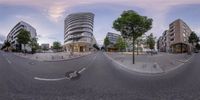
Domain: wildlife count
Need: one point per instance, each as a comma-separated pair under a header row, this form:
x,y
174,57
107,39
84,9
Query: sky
x,y
47,16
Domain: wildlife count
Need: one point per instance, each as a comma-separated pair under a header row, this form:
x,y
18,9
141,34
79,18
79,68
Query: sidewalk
x,y
59,56
162,62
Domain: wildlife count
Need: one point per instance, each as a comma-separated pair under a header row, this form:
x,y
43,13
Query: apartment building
x,y
78,32
12,36
164,43
176,38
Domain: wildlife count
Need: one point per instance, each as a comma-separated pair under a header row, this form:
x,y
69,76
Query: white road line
x,y
8,60
94,57
46,79
59,79
83,69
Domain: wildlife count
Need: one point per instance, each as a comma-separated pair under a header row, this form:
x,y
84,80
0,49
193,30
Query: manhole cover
x,y
72,75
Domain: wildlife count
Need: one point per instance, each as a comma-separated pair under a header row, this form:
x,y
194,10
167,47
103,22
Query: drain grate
x,y
72,75
31,63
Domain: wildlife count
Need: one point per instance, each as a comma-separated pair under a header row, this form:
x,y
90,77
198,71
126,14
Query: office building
x,y
112,37
78,32
45,46
12,36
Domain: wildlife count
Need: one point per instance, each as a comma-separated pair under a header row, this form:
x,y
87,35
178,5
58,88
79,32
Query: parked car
x,y
152,52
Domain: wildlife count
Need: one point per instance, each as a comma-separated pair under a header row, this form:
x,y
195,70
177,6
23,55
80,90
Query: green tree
x,y
33,44
7,45
197,46
150,41
193,39
23,37
120,44
56,45
106,42
132,25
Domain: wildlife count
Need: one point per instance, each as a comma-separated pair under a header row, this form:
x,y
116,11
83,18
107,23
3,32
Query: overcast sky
x,y
47,16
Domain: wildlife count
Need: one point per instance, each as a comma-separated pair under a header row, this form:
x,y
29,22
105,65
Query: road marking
x,y
55,79
8,60
83,69
63,78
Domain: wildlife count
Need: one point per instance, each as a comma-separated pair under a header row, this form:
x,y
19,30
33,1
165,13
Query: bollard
x,y
154,65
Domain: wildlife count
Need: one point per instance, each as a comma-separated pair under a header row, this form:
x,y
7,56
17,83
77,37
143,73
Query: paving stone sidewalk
x,y
162,62
52,56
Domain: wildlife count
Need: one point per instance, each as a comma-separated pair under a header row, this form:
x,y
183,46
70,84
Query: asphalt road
x,y
102,79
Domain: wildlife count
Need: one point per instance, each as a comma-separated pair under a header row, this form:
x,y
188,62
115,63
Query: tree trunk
x,y
24,49
181,48
137,49
133,51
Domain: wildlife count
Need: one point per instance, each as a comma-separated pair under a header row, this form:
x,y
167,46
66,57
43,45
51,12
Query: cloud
x,y
56,8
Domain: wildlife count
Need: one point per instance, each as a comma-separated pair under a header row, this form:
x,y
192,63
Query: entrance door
x,y
81,48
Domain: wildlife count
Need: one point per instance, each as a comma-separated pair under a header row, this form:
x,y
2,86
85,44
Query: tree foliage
x,y
34,45
193,38
197,46
106,42
120,43
132,25
57,45
151,41
23,37
6,45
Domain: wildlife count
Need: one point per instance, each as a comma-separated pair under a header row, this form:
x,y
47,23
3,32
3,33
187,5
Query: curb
x,y
160,73
123,67
178,66
56,60
67,59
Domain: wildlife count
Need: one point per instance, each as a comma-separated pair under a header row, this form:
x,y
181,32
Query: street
x,y
100,79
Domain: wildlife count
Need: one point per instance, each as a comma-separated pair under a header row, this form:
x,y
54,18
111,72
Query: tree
x,y
151,41
7,45
120,44
34,45
56,45
23,37
132,25
96,46
193,39
106,42
197,46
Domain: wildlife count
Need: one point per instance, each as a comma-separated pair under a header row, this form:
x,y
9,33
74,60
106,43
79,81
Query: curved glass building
x,y
78,32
